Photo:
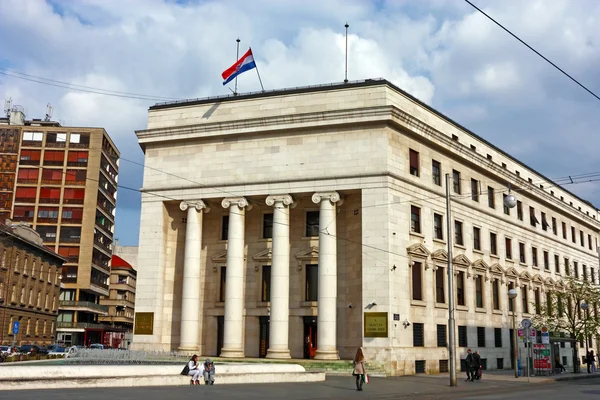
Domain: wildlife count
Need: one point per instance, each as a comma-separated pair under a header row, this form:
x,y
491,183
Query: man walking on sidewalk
x,y
470,366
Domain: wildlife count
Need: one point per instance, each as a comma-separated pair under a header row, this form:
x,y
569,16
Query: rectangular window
x,y
511,302
418,335
498,337
28,175
519,210
576,269
441,336
525,300
564,230
456,181
222,284
417,282
460,288
532,219
265,293
573,238
415,219
476,238
590,242
491,199
224,227
537,300
534,259
267,226
479,291
592,276
546,261
581,239
438,229
32,136
312,223
567,269
522,253
508,245
436,172
414,162
474,190
462,336
504,206
440,296
544,222
480,336
53,157
554,228
557,264
458,233
496,294
493,244
312,282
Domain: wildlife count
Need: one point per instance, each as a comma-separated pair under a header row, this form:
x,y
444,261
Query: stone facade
x,y
349,182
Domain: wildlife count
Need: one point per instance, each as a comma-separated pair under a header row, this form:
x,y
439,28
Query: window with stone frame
x,y
576,269
491,199
480,336
525,299
511,302
415,219
546,261
440,290
479,291
474,190
534,258
581,239
442,335
508,246
414,162
537,300
312,224
532,218
584,270
267,226
462,336
265,292
458,233
417,280
573,237
497,337
460,288
222,283
545,224
224,227
476,238
493,244
522,253
438,226
554,227
505,208
456,181
519,210
311,292
557,263
496,294
436,172
418,334
564,230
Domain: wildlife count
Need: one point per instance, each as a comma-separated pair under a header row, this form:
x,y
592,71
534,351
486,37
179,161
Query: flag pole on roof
x,y
245,63
346,69
257,73
237,57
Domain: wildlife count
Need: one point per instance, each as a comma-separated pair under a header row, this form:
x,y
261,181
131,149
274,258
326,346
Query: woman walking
x,y
359,368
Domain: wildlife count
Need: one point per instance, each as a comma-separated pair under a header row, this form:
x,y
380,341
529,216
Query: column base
x,y
279,354
188,349
327,355
232,353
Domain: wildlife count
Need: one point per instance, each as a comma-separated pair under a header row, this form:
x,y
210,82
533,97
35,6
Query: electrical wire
x,y
534,50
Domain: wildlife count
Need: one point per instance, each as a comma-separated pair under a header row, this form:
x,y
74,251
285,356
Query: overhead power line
x,y
532,49
80,88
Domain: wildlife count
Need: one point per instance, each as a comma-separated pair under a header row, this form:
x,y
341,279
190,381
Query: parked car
x,y
33,349
98,346
5,349
72,350
58,351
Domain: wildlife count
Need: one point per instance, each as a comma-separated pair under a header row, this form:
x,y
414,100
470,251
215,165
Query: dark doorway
x,y
512,349
220,329
310,337
263,342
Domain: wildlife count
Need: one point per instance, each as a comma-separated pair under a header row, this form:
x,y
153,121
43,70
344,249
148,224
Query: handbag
x,y
365,378
185,370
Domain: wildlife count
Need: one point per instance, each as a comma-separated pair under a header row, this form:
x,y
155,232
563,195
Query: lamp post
x,y
584,306
512,294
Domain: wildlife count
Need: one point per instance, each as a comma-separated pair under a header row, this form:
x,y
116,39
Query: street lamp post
x,y
584,306
512,294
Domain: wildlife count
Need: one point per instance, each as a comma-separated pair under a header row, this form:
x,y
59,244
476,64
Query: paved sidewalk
x,y
509,376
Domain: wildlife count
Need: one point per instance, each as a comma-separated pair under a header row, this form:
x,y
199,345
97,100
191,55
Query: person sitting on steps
x,y
209,372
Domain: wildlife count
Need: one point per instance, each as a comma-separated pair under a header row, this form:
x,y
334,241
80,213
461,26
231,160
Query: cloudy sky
x,y
442,51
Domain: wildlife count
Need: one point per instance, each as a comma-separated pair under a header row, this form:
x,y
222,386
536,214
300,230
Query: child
x,y
209,372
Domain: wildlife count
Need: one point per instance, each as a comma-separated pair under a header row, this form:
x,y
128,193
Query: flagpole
x,y
237,57
346,71
257,73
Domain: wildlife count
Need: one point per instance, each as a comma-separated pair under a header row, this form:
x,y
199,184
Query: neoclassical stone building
x,y
311,221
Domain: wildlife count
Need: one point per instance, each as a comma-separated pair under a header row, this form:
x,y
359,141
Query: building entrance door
x,y
263,341
310,337
220,329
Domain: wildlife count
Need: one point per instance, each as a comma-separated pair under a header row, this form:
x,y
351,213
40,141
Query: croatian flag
x,y
244,64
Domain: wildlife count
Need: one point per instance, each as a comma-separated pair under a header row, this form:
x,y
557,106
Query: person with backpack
x,y
193,369
209,372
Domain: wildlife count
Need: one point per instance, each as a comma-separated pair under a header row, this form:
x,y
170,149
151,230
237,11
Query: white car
x,y
58,351
5,349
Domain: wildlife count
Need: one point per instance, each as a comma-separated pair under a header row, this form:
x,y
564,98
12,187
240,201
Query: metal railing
x,y
80,325
83,304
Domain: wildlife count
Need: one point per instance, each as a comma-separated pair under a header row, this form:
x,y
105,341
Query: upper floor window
x,y
312,223
436,172
474,190
456,181
532,219
519,210
491,200
267,226
414,162
415,219
458,233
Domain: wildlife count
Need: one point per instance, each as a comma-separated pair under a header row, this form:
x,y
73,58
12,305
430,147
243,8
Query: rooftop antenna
x,y
49,110
8,106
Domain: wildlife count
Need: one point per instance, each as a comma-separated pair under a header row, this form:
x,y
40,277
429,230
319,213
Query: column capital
x,y
333,197
199,205
241,202
286,199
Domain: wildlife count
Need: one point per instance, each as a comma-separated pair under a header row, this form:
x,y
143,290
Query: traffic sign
x,y
15,327
526,323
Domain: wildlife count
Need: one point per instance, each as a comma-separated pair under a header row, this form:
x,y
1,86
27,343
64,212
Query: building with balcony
x,y
62,181
121,298
326,230
29,286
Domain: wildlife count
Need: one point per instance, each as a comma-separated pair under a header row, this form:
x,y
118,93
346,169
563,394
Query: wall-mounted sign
x,y
144,323
376,324
396,317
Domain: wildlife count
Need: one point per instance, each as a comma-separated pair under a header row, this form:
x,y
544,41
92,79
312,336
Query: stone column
x,y
233,334
190,294
280,277
327,296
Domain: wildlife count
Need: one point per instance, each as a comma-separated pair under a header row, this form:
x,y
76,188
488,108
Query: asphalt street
x,y
416,387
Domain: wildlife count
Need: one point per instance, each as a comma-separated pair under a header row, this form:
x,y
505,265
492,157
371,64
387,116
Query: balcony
x,y
47,220
73,201
72,259
23,218
101,267
51,182
27,181
83,306
77,163
79,325
54,163
104,247
49,201
117,319
24,199
32,143
29,162
70,239
70,221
